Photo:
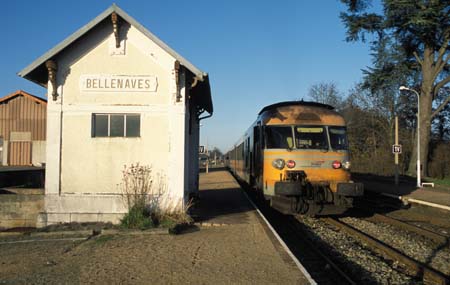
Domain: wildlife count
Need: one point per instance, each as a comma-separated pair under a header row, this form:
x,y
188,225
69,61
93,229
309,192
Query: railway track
x,y
329,263
371,209
420,270
318,264
316,260
437,238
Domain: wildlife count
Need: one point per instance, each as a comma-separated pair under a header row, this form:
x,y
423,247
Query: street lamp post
x,y
404,88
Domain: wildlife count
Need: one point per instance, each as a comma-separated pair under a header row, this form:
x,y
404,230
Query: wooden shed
x,y
22,129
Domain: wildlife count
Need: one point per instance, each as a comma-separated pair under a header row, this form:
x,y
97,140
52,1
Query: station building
x,y
117,96
22,129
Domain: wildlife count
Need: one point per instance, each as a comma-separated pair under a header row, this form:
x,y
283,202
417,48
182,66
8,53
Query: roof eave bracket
x,y
52,67
177,68
115,23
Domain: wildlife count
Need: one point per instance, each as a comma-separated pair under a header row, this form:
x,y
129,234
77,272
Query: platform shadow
x,y
379,183
213,169
227,206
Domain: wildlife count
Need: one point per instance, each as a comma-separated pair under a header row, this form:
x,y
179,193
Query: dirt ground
x,y
240,253
206,256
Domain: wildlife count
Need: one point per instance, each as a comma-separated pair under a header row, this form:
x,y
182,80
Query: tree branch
x,y
442,106
442,50
418,58
440,62
440,84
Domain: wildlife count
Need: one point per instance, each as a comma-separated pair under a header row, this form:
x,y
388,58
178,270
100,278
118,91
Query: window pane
x,y
100,125
133,126
311,137
117,126
338,138
279,137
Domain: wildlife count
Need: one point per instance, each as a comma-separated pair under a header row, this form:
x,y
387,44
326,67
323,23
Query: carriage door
x,y
257,155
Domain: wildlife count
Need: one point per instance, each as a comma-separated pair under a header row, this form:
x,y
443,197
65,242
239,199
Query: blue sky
x,y
257,52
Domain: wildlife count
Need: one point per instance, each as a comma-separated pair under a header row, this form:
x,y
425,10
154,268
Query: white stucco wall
x,y
83,172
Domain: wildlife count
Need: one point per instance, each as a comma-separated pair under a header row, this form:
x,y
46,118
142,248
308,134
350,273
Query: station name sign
x,y
118,83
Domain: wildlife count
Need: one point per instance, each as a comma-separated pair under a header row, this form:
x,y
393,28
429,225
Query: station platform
x,y
224,207
407,191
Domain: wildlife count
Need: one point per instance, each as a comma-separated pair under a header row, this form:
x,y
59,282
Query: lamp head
x,y
403,88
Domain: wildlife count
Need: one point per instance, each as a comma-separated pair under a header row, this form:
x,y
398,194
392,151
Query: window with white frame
x,y
116,125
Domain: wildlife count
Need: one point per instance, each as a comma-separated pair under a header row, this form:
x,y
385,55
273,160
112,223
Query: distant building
x,y
118,95
22,129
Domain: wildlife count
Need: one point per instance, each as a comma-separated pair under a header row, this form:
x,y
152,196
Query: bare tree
x,y
326,93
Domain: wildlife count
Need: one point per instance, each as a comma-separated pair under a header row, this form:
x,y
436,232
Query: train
x,y
296,154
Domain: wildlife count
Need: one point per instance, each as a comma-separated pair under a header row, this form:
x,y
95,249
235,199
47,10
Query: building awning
x,y
37,72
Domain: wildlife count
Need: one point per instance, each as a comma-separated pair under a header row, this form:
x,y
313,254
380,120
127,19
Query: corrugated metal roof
x,y
23,93
114,8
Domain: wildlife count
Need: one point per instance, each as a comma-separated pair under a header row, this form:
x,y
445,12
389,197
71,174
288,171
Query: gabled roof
x,y
114,8
25,94
37,71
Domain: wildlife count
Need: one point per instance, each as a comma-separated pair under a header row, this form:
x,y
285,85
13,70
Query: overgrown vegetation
x,y
147,201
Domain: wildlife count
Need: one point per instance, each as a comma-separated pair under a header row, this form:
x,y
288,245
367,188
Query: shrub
x,y
146,203
137,188
137,218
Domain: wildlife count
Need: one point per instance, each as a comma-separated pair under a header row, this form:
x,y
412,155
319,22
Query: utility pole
x,y
207,156
396,153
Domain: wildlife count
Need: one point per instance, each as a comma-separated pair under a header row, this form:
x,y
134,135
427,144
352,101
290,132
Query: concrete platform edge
x,y
407,200
283,244
425,203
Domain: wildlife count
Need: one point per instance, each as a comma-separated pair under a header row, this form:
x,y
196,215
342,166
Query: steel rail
x,y
440,239
300,235
421,270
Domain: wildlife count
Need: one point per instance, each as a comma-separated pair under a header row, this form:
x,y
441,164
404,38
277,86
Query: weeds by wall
x,y
148,201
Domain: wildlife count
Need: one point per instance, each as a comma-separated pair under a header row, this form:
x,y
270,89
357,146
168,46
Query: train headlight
x,y
346,165
278,163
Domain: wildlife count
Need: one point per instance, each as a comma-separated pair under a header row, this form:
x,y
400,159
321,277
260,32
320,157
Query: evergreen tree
x,y
418,33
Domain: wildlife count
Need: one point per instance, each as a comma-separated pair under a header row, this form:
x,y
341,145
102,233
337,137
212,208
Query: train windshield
x,y
306,137
338,138
279,137
311,137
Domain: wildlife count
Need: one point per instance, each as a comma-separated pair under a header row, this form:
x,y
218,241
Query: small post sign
x,y
396,148
201,149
